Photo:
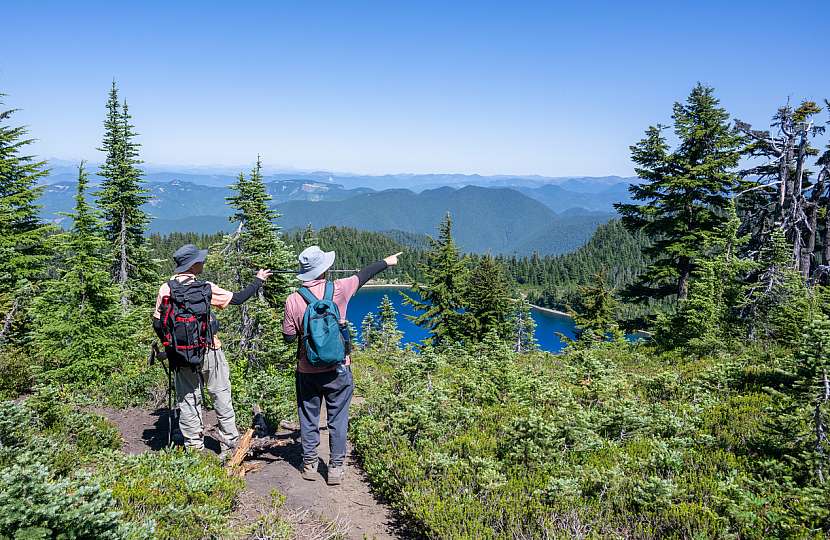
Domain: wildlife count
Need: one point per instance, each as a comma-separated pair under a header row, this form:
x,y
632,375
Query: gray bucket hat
x,y
313,262
188,255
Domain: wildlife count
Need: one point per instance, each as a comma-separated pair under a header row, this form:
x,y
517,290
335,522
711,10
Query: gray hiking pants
x,y
216,376
336,387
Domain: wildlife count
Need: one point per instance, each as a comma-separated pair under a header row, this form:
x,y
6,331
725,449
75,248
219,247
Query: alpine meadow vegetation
x,y
711,422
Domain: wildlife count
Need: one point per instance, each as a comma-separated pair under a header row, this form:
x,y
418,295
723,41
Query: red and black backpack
x,y
186,322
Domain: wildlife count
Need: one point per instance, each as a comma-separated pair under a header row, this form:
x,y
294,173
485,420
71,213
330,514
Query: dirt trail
x,y
351,505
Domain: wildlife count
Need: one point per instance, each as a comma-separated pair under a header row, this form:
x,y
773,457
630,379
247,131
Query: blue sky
x,y
383,87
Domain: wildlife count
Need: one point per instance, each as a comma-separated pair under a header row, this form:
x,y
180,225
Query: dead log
x,y
241,451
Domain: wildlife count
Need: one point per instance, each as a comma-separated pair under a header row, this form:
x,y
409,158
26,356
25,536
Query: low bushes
x,y
64,477
617,441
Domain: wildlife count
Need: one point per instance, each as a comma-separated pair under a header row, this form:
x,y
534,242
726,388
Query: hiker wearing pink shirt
x,y
333,383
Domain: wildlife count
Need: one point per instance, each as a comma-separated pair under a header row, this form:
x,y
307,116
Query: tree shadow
x,y
291,453
156,437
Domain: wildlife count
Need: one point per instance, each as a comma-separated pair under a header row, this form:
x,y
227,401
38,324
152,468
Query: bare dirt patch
x,y
312,507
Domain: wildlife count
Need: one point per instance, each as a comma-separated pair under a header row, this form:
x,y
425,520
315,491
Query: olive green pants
x,y
215,375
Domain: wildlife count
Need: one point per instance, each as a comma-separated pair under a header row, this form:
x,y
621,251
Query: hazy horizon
x,y
270,169
374,88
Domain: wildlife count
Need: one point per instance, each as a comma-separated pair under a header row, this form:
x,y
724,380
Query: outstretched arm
x,y
246,293
375,268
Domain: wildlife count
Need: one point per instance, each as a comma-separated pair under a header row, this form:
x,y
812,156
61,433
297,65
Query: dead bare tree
x,y
791,203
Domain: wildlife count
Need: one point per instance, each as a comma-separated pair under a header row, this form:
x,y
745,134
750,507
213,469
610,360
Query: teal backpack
x,y
322,334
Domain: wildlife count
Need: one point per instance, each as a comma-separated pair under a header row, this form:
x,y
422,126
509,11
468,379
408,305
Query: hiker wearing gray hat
x,y
200,362
328,377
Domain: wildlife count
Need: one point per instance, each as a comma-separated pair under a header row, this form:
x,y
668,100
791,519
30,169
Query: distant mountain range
x,y
547,218
64,171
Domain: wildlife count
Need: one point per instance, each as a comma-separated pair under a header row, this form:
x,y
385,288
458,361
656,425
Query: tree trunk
x,y
821,435
826,250
807,258
684,268
8,320
122,271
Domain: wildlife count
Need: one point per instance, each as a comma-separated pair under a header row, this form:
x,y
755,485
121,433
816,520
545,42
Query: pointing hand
x,y
263,274
392,260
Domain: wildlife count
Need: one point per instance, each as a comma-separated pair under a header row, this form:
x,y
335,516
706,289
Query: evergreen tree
x,y
707,318
368,330
389,337
775,299
309,237
23,252
256,244
120,198
524,328
596,320
79,327
352,332
259,242
441,289
487,300
813,382
685,192
778,192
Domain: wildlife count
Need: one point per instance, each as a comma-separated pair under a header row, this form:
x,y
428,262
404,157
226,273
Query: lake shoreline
x,y
371,285
386,286
551,311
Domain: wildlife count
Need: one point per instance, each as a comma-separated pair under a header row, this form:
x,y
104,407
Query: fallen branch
x,y
240,453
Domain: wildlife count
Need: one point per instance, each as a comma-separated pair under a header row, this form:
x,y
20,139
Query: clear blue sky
x,y
379,87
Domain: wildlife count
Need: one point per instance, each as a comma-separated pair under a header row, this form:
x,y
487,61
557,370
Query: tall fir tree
x,y
257,243
684,194
79,327
441,289
708,318
23,251
120,198
524,328
487,300
389,337
309,237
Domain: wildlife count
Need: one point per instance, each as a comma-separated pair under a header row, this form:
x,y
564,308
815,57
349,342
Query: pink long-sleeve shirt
x,y
295,306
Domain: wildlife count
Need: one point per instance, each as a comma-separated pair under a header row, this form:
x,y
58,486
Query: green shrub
x,y
18,372
67,479
271,387
183,494
36,505
620,440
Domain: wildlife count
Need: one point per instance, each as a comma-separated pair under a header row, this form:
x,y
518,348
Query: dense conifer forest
x,y
716,427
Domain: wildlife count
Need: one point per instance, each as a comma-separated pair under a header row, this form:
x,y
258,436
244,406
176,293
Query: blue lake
x,y
368,299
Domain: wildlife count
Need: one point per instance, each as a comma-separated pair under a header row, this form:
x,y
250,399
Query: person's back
x,y
295,307
333,383
212,371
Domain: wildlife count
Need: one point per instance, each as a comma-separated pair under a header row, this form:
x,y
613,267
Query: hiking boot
x,y
335,475
309,471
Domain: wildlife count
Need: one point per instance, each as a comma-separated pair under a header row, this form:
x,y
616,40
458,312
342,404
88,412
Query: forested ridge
x,y
548,281
715,428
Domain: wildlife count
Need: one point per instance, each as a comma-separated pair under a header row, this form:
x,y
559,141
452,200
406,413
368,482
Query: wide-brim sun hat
x,y
188,255
313,262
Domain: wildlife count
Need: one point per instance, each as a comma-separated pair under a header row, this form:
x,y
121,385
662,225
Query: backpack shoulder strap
x,y
307,295
329,294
